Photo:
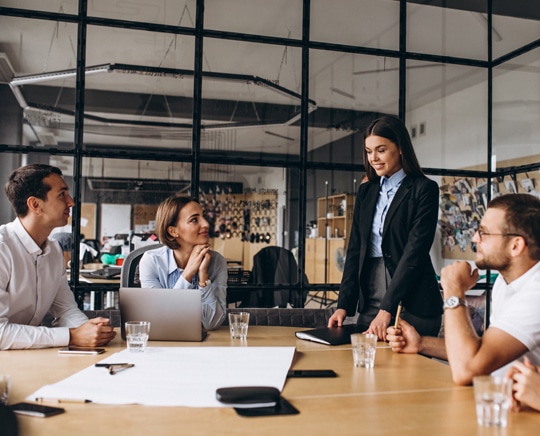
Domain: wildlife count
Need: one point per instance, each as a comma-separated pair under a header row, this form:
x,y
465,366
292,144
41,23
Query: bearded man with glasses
x,y
508,240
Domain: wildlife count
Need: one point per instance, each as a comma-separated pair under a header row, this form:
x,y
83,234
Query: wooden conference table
x,y
402,395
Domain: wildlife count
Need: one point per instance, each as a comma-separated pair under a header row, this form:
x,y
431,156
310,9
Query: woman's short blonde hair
x,y
167,215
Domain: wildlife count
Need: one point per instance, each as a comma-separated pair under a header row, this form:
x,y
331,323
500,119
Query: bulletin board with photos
x,y
463,202
88,221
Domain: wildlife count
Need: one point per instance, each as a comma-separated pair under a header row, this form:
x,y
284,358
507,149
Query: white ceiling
x,y
337,80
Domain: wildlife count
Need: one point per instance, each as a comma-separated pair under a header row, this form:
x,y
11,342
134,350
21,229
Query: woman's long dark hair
x,y
393,129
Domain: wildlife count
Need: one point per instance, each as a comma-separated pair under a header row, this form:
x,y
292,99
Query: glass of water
x,y
493,396
137,335
364,346
238,324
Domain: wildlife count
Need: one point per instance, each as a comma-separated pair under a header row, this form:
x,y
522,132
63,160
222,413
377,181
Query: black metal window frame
x,y
196,156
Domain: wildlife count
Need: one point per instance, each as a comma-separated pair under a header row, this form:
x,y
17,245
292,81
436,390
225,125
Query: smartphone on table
x,y
310,373
38,410
81,350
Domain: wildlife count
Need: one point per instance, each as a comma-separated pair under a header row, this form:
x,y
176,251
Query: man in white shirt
x,y
33,278
508,240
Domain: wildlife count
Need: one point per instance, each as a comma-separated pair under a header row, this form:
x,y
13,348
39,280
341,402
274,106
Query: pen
x,y
117,367
398,313
114,369
108,365
62,400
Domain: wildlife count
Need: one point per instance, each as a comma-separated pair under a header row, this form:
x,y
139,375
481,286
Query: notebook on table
x,y
174,314
329,335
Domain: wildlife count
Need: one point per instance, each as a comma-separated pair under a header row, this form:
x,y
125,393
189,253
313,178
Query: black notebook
x,y
329,335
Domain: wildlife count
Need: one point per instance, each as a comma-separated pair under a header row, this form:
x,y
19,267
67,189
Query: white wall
x,y
456,125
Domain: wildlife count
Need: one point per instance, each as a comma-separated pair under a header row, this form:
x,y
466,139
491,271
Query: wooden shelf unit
x,y
337,215
322,267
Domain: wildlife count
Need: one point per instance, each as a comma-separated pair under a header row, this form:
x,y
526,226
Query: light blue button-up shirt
x,y
158,269
389,187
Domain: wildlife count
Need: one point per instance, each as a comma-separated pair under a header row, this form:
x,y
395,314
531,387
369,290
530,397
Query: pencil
x,y
114,369
398,313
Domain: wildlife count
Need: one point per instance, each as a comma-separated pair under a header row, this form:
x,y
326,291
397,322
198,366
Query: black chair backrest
x,y
308,318
129,278
276,266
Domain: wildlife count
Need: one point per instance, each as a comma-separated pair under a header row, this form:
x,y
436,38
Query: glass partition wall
x,y
258,109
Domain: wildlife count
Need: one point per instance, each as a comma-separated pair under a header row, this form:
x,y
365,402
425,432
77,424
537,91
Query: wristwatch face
x,y
453,302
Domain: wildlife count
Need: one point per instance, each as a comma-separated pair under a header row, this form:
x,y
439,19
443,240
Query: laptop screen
x,y
174,314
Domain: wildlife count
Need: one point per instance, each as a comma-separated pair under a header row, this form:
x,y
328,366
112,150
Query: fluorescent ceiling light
x,y
174,73
55,75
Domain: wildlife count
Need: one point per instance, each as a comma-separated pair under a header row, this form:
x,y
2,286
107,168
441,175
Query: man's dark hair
x,y
26,182
522,218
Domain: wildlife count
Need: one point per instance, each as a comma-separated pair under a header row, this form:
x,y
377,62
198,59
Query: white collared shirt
x,y
33,282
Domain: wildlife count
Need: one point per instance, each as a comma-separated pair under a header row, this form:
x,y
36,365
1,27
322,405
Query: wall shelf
x,y
325,255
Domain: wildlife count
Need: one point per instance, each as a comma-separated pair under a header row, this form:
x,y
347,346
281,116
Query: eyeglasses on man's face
x,y
482,234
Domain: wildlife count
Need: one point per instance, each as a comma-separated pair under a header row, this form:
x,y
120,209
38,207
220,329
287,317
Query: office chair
x,y
95,244
129,277
276,266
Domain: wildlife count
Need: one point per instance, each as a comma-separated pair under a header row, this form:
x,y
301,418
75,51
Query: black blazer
x,y
408,233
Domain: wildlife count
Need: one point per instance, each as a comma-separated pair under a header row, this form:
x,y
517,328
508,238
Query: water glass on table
x,y
493,396
238,324
137,335
364,346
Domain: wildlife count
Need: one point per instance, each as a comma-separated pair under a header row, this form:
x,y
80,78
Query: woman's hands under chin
x,y
198,262
205,264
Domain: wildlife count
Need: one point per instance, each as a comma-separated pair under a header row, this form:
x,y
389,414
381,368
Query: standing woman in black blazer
x,y
395,217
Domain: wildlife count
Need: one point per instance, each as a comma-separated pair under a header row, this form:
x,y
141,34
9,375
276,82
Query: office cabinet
x,y
325,255
321,267
334,216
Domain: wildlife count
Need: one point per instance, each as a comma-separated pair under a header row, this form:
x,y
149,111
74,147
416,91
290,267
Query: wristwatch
x,y
204,284
453,302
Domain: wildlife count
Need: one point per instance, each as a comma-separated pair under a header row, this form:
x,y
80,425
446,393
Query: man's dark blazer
x,y
408,233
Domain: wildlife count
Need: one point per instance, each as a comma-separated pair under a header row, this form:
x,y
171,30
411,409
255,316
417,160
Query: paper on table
x,y
175,376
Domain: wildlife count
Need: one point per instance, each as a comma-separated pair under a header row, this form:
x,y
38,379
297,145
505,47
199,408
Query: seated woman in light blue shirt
x,y
187,261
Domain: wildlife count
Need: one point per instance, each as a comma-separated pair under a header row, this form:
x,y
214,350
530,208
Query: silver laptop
x,y
174,314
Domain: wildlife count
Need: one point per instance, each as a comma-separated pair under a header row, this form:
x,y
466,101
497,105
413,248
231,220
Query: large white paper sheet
x,y
175,376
